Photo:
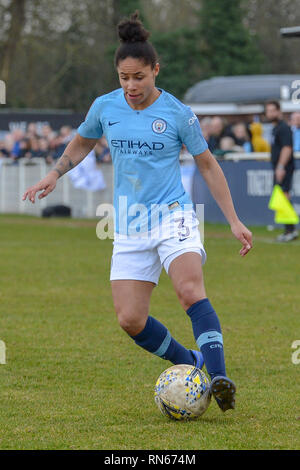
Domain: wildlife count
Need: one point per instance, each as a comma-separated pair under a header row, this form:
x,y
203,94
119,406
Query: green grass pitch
x,y
74,380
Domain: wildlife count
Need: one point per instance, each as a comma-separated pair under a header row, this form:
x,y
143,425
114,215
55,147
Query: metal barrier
x,y
16,178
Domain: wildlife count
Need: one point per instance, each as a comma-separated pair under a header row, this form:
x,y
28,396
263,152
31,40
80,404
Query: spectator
x,y
25,148
34,149
217,131
259,144
39,148
46,144
60,142
205,124
241,137
295,125
32,132
8,144
17,136
29,148
66,134
47,132
44,151
57,146
227,144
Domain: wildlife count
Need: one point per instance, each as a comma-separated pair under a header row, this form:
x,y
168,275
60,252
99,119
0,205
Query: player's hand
x,y
46,185
244,235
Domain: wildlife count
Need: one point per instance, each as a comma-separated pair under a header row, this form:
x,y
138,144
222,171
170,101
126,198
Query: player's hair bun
x,y
132,30
134,42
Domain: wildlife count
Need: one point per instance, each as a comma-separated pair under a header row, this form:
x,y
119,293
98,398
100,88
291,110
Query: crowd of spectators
x,y
43,142
222,138
241,137
295,125
238,137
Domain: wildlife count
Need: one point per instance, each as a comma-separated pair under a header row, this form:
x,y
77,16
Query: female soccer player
x,y
145,128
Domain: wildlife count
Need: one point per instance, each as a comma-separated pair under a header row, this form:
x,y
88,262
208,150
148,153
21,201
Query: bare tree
x,y
16,11
265,18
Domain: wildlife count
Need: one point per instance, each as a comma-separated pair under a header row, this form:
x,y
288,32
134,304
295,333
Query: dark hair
x,y
274,103
134,42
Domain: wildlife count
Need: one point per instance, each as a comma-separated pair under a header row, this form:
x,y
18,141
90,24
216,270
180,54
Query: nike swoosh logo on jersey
x,y
182,239
113,123
209,337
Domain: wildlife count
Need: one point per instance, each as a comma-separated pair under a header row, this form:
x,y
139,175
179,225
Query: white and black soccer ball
x,y
182,392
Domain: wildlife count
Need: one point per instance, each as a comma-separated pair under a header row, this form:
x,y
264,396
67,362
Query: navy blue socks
x,y
208,335
157,339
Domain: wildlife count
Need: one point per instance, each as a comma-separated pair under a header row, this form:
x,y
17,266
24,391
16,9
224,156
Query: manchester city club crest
x,y
159,126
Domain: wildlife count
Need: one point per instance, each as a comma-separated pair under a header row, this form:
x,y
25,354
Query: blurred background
x,y
224,58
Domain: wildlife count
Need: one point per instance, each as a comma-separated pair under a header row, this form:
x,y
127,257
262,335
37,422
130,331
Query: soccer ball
x,y
182,392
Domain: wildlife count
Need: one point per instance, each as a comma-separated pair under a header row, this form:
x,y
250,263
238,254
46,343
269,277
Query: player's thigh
x,y
131,300
186,274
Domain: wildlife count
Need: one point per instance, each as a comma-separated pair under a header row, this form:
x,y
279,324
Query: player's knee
x,y
190,292
124,320
129,323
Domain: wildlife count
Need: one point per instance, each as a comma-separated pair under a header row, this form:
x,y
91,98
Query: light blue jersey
x,y
145,147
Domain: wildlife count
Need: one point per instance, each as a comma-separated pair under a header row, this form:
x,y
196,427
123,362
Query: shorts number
x,y
183,230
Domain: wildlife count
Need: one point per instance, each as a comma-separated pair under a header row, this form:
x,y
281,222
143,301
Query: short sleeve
x,y
190,133
91,128
286,136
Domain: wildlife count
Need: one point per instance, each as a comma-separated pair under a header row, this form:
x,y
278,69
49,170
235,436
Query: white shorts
x,y
142,258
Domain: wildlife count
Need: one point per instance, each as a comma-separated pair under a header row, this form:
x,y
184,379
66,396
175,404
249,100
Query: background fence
x,y
15,179
250,178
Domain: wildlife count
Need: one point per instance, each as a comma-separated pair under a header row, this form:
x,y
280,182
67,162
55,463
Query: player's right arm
x,y
75,152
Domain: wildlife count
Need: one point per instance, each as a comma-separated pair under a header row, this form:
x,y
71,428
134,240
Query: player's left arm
x,y
284,158
217,184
